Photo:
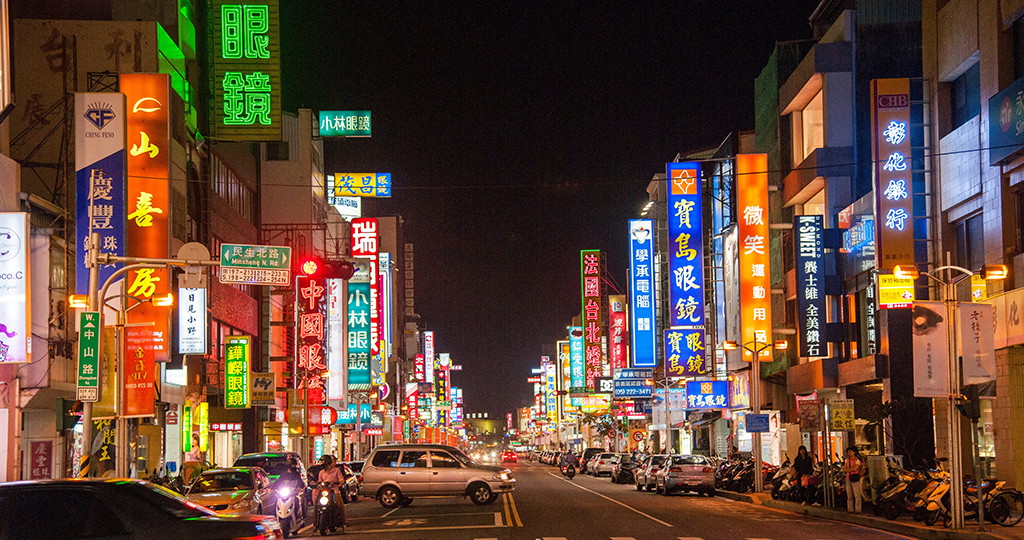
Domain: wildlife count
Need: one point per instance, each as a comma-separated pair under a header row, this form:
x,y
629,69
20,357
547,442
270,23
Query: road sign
x,y
841,413
89,356
757,423
257,265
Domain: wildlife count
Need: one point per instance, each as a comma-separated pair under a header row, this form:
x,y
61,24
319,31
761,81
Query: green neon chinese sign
x,y
236,373
247,70
344,123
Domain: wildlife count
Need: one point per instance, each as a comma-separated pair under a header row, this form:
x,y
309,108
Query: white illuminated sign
x,y
192,330
15,297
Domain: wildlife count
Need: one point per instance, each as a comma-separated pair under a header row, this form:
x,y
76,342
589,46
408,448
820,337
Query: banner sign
x,y
810,284
140,372
590,281
99,180
617,332
894,292
739,390
236,372
256,265
89,356
931,350
359,307
577,366
262,389
707,394
564,374
246,70
755,271
686,245
311,326
685,355
641,285
344,123
890,151
362,184
337,362
192,329
16,290
841,414
977,342
428,351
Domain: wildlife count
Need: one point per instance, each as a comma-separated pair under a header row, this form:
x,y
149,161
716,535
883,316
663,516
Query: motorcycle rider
x,y
292,478
332,477
569,458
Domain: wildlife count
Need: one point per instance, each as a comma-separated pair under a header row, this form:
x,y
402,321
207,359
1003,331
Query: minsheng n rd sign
x,y
258,265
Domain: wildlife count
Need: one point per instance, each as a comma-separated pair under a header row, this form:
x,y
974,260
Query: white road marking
x,y
621,538
624,505
393,510
690,538
497,520
553,538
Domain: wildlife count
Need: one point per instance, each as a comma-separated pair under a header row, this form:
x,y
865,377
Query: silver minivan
x,y
396,474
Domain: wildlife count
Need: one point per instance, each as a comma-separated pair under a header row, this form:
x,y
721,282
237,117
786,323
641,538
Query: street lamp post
x,y
755,397
948,288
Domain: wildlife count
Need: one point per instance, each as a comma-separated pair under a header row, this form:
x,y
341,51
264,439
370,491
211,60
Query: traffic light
x,y
68,413
972,407
322,268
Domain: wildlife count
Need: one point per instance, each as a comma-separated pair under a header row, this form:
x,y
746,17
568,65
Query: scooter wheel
x,y
286,526
891,510
931,517
919,513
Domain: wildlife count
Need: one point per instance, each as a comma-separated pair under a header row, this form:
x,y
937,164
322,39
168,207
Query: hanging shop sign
x,y
236,372
246,70
140,372
362,184
1006,122
41,464
344,123
420,369
977,342
100,138
203,419
632,383
192,329
359,308
337,362
754,260
311,332
685,354
890,150
379,367
89,356
894,292
577,365
16,290
428,352
686,245
255,265
564,375
841,415
641,286
707,394
262,387
617,332
810,284
590,281
365,245
931,350
148,198
550,387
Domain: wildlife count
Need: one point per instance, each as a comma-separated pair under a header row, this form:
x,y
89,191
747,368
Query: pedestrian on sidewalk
x,y
803,468
853,467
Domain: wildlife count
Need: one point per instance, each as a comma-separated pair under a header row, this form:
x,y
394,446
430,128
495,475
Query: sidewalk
x,y
904,525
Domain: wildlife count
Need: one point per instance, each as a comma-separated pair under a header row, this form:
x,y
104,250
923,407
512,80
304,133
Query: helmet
x,y
293,461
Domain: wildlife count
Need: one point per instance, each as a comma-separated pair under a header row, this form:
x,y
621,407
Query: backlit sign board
x,y
890,150
365,245
359,308
16,290
686,245
641,286
707,394
311,301
894,292
362,184
192,330
685,353
236,372
754,260
590,281
345,123
810,284
577,365
617,332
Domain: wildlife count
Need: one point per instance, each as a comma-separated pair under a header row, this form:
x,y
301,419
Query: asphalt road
x,y
546,506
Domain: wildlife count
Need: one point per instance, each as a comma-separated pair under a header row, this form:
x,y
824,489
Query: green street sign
x,y
89,356
257,265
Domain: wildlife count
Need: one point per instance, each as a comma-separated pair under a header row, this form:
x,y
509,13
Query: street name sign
x,y
256,265
89,356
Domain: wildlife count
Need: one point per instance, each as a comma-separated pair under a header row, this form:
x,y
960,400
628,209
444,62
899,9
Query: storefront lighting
x,y
906,272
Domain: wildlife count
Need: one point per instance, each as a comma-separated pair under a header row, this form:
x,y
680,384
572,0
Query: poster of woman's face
x,y
926,320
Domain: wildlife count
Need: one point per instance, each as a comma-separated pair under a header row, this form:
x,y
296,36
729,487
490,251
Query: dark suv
x,y
273,463
587,455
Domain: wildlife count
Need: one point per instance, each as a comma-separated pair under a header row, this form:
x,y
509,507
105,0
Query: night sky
x,y
519,133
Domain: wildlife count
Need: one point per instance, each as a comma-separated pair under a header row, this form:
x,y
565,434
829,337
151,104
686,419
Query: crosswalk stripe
x,y
690,538
553,538
621,538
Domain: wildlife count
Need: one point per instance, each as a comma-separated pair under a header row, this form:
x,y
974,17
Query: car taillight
x,y
707,469
676,469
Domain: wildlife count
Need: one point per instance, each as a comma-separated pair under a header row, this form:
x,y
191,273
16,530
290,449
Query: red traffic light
x,y
327,269
310,267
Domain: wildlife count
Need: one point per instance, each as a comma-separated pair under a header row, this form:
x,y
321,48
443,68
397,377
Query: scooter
x,y
288,510
569,471
326,507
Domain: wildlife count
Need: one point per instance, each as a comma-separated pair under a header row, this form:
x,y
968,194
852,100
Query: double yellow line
x,y
510,511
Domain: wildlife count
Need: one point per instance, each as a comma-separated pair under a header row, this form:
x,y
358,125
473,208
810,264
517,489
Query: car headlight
x,y
504,476
240,505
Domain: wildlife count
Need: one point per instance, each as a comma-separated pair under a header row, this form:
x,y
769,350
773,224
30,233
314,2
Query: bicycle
x,y
1006,508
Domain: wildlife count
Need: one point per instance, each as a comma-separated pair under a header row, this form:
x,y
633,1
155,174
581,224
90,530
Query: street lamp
x,y
755,394
989,272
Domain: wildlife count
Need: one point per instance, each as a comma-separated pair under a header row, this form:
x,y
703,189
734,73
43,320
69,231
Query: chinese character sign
x,y
236,372
577,364
246,70
337,362
148,229
428,352
754,260
311,299
890,149
707,394
617,331
358,335
365,244
41,460
192,331
686,353
140,371
344,123
550,387
641,287
686,245
977,342
810,284
590,280
89,356
931,350
362,184
564,372
99,180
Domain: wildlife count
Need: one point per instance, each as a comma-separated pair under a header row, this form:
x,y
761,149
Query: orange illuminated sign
x,y
755,274
890,150
147,228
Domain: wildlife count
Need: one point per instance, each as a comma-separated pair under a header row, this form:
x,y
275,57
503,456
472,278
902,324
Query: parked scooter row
x,y
738,475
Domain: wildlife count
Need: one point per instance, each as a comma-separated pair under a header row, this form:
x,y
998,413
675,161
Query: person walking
x,y
803,468
853,467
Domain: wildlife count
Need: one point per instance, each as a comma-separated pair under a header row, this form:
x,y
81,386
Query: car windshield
x,y
657,461
222,481
356,466
689,460
274,465
169,501
462,458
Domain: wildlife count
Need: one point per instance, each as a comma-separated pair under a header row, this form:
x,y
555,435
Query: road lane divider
x,y
622,504
510,504
508,514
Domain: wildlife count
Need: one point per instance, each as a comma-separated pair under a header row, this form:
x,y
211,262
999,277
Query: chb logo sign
x,y
893,102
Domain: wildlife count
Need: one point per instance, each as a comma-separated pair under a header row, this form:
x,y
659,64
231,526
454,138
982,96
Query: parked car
x,y
509,456
235,491
116,508
396,474
357,469
272,463
622,471
686,473
602,464
646,471
587,455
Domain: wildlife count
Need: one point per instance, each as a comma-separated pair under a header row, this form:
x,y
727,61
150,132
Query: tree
x,y
603,422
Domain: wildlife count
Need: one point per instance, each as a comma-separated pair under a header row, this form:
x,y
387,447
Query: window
x,y
808,129
970,243
413,458
965,96
278,151
442,460
386,458
228,186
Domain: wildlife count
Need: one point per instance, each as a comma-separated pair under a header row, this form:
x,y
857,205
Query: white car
x,y
602,464
686,473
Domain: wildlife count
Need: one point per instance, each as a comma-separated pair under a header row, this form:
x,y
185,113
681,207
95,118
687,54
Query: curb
x,y
911,529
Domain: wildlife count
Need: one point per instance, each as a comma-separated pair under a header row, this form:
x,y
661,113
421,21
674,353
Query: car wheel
x,y
480,493
638,487
711,492
389,497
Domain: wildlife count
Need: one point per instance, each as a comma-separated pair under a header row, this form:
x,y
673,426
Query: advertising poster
x,y
931,350
977,342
